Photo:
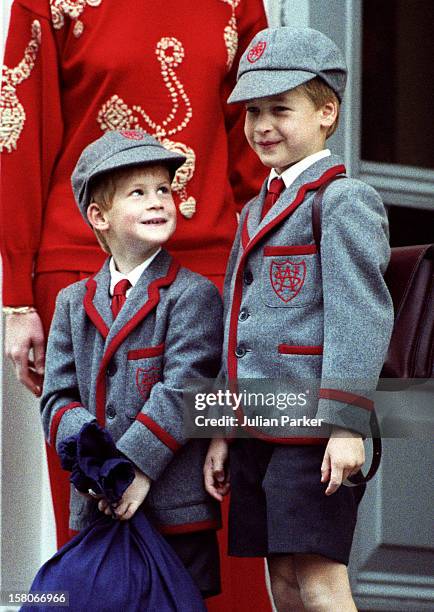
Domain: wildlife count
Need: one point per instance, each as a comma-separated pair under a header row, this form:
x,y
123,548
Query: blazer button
x,y
244,314
248,277
111,412
240,351
112,368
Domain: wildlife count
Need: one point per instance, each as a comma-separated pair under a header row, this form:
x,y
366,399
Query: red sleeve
x,y
30,139
246,173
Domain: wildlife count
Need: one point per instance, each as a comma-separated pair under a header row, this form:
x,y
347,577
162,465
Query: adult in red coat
x,y
75,68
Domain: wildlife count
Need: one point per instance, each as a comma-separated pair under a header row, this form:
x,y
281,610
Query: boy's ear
x,y
329,112
97,217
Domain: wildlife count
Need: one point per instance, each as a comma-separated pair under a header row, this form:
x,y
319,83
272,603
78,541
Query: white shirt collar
x,y
290,174
133,276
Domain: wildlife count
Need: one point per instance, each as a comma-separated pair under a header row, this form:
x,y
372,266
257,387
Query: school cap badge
x,y
255,52
132,134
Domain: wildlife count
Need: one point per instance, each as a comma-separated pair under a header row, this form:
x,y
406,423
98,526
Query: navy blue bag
x,y
113,565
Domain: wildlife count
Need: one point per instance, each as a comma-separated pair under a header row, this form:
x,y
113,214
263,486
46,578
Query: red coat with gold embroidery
x,y
74,68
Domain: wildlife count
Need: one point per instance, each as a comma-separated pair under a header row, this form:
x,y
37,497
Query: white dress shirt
x,y
290,174
133,276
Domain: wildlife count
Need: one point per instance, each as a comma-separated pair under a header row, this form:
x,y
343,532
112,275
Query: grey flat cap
x,y
118,149
279,59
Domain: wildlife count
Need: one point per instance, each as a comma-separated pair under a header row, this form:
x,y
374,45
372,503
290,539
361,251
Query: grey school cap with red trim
x,y
280,59
118,149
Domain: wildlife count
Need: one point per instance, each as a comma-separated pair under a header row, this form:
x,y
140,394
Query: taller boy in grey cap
x,y
292,312
124,342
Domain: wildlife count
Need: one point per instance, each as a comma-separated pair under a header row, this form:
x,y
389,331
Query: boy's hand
x,y
131,500
344,456
215,473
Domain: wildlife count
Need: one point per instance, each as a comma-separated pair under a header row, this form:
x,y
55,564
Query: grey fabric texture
x,y
343,304
118,149
280,59
186,324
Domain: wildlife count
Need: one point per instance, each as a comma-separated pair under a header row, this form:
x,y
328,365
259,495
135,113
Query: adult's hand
x,y
24,338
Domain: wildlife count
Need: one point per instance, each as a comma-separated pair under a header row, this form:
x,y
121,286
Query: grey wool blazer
x,y
294,313
129,374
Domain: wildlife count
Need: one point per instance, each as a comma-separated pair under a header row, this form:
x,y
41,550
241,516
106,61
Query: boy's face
x,y
284,129
142,216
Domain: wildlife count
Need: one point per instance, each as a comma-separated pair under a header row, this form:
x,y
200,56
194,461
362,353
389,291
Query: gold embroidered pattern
x,y
72,8
231,33
12,114
115,114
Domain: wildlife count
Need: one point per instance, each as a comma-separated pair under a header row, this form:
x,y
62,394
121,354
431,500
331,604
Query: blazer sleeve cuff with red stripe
x,y
67,421
344,409
160,446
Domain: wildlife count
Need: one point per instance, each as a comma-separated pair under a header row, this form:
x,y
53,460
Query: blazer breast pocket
x,y
291,276
144,370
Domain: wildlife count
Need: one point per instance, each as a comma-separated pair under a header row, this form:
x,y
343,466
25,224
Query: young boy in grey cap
x,y
292,312
123,343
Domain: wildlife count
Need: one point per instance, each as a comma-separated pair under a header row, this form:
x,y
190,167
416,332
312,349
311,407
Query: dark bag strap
x,y
359,478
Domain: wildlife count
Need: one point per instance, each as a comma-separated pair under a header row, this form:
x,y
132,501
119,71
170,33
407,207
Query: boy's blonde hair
x,y
103,189
320,93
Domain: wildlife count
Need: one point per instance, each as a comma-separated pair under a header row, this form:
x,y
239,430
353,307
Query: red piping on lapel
x,y
347,398
189,527
238,292
55,422
90,309
153,299
245,238
159,432
150,351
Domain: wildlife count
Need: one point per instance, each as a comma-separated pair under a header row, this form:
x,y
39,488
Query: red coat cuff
x,y
17,279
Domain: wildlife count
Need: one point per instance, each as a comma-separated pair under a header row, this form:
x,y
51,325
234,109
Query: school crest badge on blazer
x,y
146,379
287,278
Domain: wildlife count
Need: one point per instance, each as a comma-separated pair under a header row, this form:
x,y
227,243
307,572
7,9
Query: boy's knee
x,y
286,595
284,588
321,594
323,583
316,596
282,583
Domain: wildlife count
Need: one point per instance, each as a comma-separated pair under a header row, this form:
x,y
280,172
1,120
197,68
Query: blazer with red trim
x,y
293,313
129,374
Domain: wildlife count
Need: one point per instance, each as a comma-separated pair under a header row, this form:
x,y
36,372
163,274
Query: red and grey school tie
x,y
275,189
119,296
